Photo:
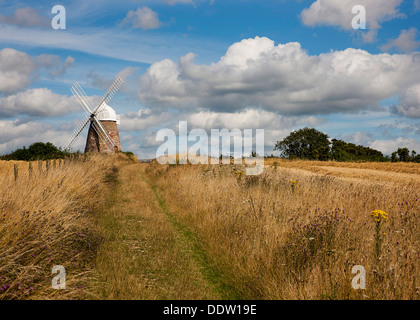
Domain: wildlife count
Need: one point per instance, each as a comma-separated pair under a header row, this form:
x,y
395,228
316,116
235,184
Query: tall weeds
x,y
46,220
275,239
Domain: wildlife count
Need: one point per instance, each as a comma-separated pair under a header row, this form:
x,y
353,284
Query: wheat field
x,y
297,230
127,230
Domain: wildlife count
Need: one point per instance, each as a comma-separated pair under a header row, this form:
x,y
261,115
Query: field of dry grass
x,y
297,230
125,230
142,255
371,171
46,220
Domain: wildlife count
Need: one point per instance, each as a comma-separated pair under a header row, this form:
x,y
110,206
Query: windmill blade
x,y
113,89
102,134
83,99
76,132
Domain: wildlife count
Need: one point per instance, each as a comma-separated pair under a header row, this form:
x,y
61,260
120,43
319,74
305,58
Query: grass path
x,y
146,254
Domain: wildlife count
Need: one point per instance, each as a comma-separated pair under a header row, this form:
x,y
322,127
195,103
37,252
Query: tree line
x,y
306,143
36,151
44,151
311,144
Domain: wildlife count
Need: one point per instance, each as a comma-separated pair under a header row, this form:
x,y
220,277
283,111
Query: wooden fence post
x,y
47,164
39,165
30,169
16,170
54,163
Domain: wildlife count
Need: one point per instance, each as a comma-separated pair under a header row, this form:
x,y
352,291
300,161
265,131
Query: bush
x,y
36,151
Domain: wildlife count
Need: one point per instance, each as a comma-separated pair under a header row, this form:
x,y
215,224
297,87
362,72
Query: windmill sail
x,y
103,135
76,132
92,110
113,89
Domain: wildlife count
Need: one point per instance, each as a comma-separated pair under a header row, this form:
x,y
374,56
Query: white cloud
x,y
40,102
276,127
406,41
143,119
16,134
26,17
410,102
144,18
359,138
53,64
254,73
17,68
339,14
247,119
389,146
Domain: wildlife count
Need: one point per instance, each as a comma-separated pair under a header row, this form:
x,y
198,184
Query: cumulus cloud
x,y
26,17
15,134
53,64
389,146
144,119
339,14
40,102
254,73
276,126
410,102
248,119
359,138
17,68
405,42
143,18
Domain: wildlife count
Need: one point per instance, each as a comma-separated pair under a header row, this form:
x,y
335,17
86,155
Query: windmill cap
x,y
106,113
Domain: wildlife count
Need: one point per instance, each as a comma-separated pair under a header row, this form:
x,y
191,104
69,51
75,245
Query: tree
x,y
403,154
416,159
306,143
343,151
394,157
38,150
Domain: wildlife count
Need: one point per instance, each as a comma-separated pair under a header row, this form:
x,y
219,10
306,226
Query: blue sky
x,y
273,65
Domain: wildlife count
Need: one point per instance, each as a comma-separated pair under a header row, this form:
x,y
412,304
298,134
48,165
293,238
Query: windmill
x,y
103,133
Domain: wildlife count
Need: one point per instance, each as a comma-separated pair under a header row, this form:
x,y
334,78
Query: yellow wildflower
x,y
378,214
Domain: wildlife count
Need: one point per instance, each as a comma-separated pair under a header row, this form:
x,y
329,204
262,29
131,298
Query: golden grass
x,y
403,167
142,255
294,232
46,220
274,239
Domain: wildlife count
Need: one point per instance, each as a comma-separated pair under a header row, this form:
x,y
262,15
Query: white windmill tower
x,y
103,133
